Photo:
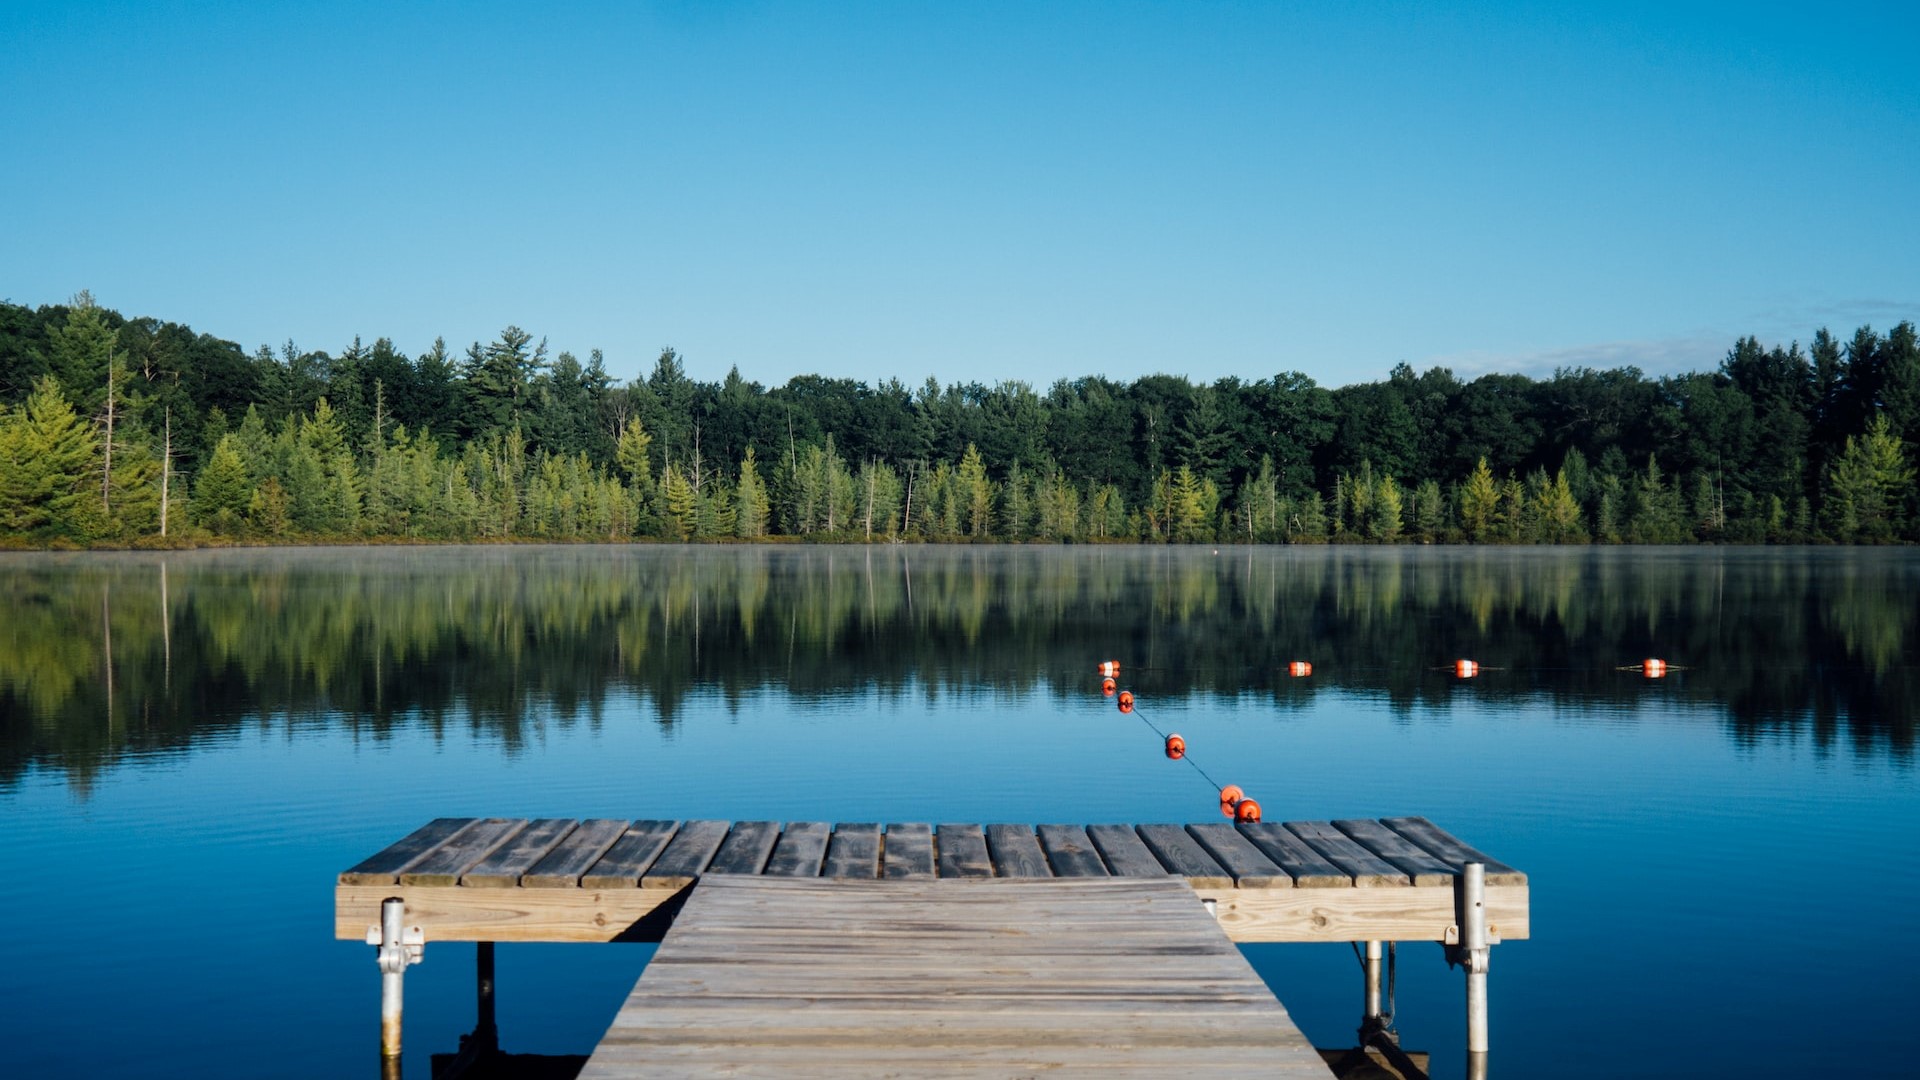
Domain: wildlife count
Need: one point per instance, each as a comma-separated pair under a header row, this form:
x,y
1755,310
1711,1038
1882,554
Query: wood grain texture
x,y
509,861
1070,851
1016,852
907,851
931,977
444,864
630,856
1125,854
1309,869
1372,914
1419,864
854,851
687,854
1236,854
562,867
1365,868
384,866
745,849
961,851
801,851
1452,850
1184,856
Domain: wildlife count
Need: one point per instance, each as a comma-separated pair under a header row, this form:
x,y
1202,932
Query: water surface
x,y
192,744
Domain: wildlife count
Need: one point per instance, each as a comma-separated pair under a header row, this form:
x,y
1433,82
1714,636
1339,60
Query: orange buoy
x,y
1232,794
1106,687
1246,810
1465,669
1299,669
1110,668
1126,701
1176,747
1654,669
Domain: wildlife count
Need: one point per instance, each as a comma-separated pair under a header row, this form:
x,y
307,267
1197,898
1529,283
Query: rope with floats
x,y
1234,802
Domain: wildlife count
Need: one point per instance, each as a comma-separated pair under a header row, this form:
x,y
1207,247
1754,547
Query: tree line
x,y
118,430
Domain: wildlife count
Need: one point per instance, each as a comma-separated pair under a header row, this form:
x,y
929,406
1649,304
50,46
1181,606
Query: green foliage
x,y
48,459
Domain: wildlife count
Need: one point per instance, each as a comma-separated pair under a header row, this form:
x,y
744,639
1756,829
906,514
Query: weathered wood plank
x,y
1365,868
1422,866
745,849
385,865
801,850
687,854
1309,869
1185,857
943,977
1124,853
458,913
907,851
1411,913
444,864
1237,855
1016,852
630,856
854,851
1071,851
962,851
1452,850
561,868
509,861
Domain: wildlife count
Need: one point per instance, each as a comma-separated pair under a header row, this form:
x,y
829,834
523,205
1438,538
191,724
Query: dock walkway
x,y
817,977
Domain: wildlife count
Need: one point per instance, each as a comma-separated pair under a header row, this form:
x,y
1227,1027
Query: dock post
x,y
486,1035
1372,1018
1475,950
400,945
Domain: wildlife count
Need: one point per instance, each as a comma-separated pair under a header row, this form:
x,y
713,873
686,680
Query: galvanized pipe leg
x,y
1475,950
400,945
1373,1021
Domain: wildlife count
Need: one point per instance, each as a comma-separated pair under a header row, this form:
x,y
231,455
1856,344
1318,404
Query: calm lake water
x,y
1722,861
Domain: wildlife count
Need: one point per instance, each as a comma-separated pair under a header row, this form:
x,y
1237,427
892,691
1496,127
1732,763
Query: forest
x,y
120,431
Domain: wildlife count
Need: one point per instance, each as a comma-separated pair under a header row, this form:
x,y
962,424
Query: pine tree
x,y
221,491
1387,520
47,458
1479,503
750,500
976,493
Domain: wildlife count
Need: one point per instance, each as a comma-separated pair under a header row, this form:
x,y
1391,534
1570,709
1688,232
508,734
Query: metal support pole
x,y
1373,1019
400,945
1475,949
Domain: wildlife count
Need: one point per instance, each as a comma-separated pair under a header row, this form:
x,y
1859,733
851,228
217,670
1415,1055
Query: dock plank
x,y
932,977
687,854
444,864
1309,869
745,849
907,851
1236,854
961,851
801,850
1365,868
1452,850
1125,854
854,851
384,866
630,856
562,867
1183,855
510,860
1071,851
1016,852
1424,867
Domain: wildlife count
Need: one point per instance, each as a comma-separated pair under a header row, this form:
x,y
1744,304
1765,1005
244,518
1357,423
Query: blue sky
x,y
975,190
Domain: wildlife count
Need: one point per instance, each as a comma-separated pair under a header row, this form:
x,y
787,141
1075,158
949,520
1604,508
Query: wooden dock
x,y
817,977
499,879
916,949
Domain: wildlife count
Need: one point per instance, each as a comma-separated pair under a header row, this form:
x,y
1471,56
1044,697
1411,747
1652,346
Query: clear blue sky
x,y
975,190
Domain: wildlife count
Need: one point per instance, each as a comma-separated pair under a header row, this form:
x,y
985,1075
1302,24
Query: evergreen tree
x,y
750,501
1479,503
222,490
47,458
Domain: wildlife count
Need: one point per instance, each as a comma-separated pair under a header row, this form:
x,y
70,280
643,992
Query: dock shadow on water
x,y
111,655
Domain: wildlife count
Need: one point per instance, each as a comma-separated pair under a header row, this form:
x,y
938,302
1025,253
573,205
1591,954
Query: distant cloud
x,y
1654,356
1698,350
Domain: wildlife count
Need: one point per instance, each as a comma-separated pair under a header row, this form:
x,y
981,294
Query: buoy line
x,y
1234,802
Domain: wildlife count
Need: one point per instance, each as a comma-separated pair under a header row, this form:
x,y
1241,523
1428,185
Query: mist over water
x,y
193,744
